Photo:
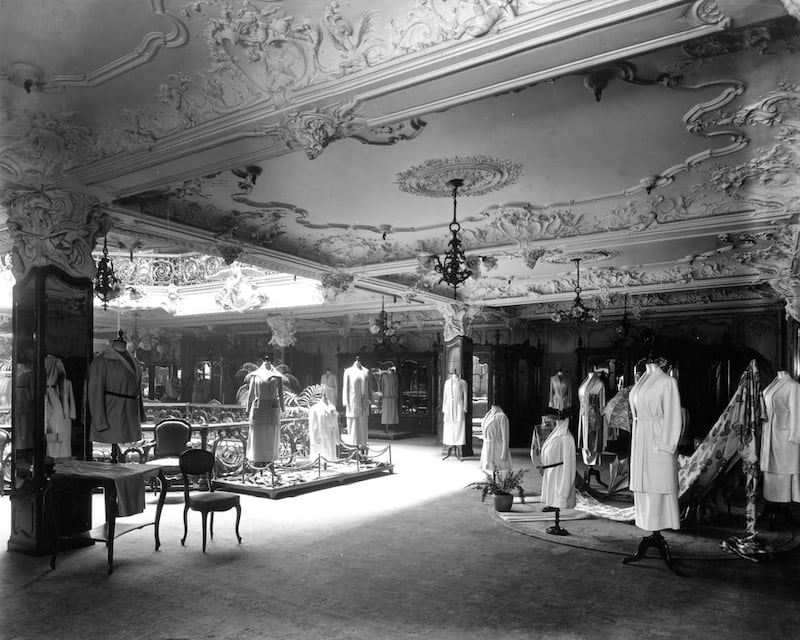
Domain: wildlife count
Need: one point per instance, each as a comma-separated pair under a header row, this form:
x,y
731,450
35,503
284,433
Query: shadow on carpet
x,y
599,534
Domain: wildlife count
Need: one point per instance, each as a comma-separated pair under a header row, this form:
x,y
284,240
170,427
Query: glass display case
x,y
416,400
51,354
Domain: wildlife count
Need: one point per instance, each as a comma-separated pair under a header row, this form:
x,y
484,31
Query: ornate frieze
x,y
238,293
314,130
283,330
56,228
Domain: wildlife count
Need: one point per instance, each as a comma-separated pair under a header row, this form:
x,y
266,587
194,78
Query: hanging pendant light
x,y
384,329
452,269
106,284
578,313
624,325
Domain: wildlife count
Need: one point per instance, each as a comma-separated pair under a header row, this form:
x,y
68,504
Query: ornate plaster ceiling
x,y
657,140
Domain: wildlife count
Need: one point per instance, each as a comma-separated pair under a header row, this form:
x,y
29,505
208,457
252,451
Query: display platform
x,y
300,475
600,534
374,434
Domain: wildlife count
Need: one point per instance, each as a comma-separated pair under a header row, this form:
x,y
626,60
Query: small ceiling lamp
x,y
624,325
384,329
106,283
452,269
578,313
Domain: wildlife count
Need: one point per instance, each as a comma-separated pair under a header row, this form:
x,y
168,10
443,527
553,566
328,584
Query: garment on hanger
x,y
114,389
264,406
494,451
454,406
59,409
323,430
560,392
592,435
656,409
780,439
558,474
355,397
389,393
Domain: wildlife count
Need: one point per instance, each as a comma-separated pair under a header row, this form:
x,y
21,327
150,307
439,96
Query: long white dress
x,y
355,397
780,440
389,413
454,405
323,431
59,409
558,482
494,452
656,408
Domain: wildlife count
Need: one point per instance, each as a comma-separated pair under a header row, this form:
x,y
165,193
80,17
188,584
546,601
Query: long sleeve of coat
x,y
668,430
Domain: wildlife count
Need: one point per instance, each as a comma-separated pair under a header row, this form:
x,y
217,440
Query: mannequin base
x,y
656,540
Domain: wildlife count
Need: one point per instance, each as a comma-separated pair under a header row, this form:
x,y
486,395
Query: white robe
x,y
494,452
330,387
558,482
780,440
355,397
656,408
323,431
454,405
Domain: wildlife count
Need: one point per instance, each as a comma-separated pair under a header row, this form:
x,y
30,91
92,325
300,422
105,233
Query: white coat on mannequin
x,y
454,406
355,397
558,474
656,408
780,440
323,430
494,452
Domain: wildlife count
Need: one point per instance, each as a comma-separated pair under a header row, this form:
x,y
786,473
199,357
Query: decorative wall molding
x,y
56,228
32,78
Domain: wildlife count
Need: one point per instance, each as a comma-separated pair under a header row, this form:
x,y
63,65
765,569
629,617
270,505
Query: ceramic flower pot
x,y
503,501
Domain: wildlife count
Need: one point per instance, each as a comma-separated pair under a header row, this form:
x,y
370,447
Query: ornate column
x,y
458,356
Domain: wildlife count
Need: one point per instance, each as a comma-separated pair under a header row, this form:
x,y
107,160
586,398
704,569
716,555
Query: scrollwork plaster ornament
x,y
458,319
54,228
314,130
481,175
229,248
334,284
708,12
239,294
283,329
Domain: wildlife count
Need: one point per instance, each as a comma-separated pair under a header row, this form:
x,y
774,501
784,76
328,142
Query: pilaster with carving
x,y
57,228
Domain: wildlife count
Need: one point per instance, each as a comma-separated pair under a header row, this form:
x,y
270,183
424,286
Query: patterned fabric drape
x,y
733,437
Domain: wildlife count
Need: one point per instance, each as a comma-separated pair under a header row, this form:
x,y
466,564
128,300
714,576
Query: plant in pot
x,y
502,484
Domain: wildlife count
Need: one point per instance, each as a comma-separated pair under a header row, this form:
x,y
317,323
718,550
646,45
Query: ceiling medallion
x,y
596,255
479,175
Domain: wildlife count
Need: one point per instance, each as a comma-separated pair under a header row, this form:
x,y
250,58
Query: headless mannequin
x,y
355,398
119,344
591,467
655,539
262,417
454,405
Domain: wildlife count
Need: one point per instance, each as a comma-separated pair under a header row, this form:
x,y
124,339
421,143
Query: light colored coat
x,y
355,391
59,409
558,482
323,431
656,408
494,452
454,405
114,390
780,440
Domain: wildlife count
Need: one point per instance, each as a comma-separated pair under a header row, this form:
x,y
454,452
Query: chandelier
x,y
106,283
384,329
578,313
452,269
624,325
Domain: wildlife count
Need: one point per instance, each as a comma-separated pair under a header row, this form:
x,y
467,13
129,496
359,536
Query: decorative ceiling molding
x,y
481,175
557,256
32,78
389,134
792,8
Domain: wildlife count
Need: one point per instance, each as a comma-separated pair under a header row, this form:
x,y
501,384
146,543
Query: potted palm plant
x,y
502,484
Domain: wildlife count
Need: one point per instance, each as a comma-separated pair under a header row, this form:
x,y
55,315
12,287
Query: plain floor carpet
x,y
414,554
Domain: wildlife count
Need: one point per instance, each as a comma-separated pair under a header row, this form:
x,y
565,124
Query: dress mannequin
x,y
780,443
558,473
264,406
494,452
656,408
355,397
560,393
323,430
330,386
114,388
389,413
454,406
591,426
